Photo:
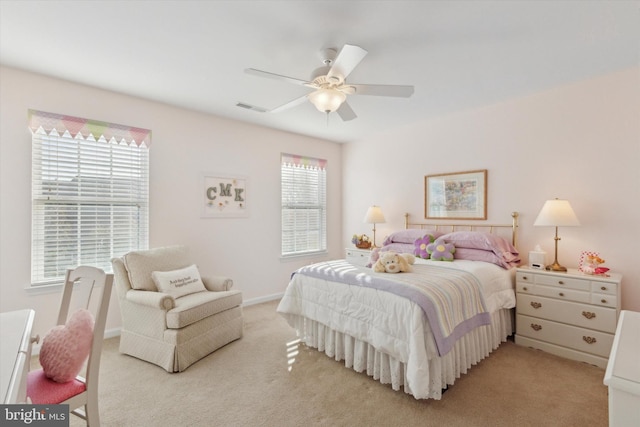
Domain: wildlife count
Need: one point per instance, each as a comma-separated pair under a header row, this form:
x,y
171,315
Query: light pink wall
x,y
185,143
580,142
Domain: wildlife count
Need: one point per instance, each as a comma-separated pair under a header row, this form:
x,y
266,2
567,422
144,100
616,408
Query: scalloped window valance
x,y
301,161
85,127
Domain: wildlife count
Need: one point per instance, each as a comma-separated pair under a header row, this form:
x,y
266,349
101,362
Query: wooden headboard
x,y
508,231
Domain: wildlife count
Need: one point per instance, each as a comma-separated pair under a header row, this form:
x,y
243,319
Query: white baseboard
x,y
260,300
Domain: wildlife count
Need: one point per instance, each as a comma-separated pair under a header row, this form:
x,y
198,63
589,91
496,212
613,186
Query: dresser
x,y
623,372
15,354
572,314
358,256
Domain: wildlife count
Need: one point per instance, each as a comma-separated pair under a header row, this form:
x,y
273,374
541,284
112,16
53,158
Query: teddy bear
x,y
392,262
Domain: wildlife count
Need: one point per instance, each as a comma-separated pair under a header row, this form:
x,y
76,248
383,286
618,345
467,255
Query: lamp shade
x,y
557,213
327,100
374,215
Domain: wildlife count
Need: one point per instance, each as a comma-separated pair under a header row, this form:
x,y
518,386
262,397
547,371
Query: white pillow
x,y
178,283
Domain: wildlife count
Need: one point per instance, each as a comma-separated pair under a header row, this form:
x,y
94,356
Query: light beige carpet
x,y
252,382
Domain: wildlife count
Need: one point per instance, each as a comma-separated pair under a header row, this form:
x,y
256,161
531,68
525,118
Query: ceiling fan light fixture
x,y
327,100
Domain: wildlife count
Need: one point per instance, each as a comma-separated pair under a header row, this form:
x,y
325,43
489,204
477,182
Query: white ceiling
x,y
192,54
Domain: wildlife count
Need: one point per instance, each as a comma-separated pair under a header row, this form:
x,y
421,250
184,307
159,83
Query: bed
x,y
460,312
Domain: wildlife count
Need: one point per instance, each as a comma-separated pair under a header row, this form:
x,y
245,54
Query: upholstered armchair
x,y
171,316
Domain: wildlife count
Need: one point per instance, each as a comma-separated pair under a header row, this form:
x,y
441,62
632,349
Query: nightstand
x,y
358,256
572,314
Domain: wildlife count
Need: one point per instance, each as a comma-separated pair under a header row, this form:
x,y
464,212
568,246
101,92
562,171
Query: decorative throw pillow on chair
x,y
178,283
66,347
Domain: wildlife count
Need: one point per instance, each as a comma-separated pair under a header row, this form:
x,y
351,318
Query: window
x,y
90,192
304,205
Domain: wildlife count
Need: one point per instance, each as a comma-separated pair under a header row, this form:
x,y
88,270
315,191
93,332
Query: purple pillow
x,y
409,235
482,255
485,241
401,248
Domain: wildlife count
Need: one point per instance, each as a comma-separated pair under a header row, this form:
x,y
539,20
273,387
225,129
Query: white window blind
x,y
90,192
304,205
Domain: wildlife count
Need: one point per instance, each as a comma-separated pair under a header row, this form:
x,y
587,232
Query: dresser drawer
x,y
581,339
604,288
525,288
581,315
563,282
563,294
604,300
522,277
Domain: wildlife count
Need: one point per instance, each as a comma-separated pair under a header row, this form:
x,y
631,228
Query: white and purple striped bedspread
x,y
451,299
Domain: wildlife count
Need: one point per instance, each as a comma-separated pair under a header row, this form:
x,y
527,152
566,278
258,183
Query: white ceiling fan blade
x,y
345,112
349,90
383,90
283,107
348,58
268,75
290,104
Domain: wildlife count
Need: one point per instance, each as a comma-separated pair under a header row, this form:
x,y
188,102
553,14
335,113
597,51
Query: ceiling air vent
x,y
250,107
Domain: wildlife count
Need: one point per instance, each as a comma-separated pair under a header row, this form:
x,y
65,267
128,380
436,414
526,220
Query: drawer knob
x,y
535,327
525,278
560,282
604,301
535,305
588,314
525,289
603,288
589,340
561,294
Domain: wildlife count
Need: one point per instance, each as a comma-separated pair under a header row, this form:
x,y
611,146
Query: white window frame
x,y
90,200
304,205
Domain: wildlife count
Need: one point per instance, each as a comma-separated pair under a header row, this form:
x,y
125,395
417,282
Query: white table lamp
x,y
556,213
374,216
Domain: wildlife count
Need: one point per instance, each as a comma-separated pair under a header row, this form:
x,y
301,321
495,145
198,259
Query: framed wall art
x,y
459,195
223,196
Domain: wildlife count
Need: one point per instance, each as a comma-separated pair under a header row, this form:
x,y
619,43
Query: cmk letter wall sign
x,y
223,196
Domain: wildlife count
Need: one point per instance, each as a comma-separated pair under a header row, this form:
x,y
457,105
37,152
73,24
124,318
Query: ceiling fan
x,y
330,88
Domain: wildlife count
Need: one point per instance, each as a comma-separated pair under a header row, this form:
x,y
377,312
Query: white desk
x,y
623,372
15,354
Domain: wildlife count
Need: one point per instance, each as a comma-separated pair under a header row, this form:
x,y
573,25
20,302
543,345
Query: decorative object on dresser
x,y
594,265
361,241
374,216
537,258
569,314
556,213
623,372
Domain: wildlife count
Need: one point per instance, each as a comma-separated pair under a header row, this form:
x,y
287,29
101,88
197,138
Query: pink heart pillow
x,y
66,347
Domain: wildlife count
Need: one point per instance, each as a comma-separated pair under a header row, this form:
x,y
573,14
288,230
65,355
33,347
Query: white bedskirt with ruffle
x,y
437,373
